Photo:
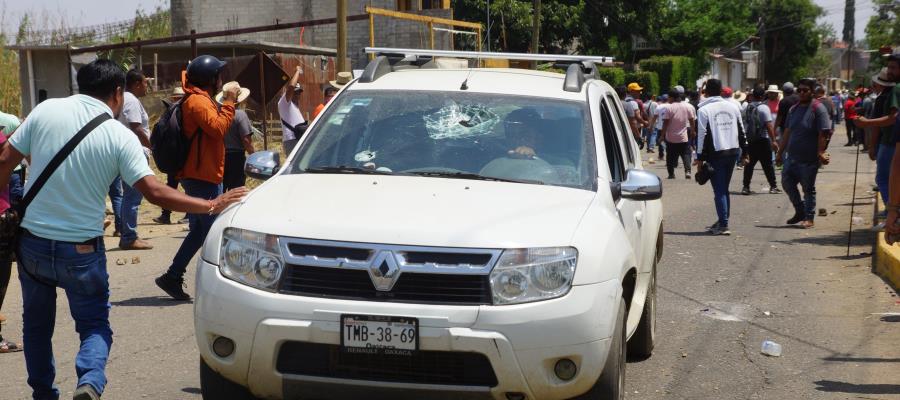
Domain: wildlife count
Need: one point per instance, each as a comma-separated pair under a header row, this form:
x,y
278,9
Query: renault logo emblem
x,y
384,271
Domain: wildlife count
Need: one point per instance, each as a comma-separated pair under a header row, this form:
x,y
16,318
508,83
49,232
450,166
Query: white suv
x,y
439,233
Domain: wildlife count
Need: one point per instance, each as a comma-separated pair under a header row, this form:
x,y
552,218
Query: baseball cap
x,y
679,89
727,91
634,86
787,87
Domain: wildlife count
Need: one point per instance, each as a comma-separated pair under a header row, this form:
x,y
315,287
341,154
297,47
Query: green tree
x,y
511,22
791,34
608,27
883,28
701,25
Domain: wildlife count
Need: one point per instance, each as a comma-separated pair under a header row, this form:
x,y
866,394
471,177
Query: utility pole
x,y
342,65
761,69
487,12
536,33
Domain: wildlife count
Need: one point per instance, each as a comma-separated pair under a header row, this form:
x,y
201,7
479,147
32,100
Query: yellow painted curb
x,y
887,261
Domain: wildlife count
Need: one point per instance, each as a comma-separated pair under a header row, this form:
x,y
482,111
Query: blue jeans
x,y
80,270
720,180
131,202
804,174
16,189
198,223
115,197
650,136
883,169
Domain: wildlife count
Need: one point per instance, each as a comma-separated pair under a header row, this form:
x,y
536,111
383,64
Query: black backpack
x,y
755,130
168,142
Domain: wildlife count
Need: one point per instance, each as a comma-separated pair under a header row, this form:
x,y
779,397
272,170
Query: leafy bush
x,y
613,76
673,70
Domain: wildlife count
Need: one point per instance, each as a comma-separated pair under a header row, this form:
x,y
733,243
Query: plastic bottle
x,y
771,348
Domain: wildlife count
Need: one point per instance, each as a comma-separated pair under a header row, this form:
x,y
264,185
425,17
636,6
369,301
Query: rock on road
x,y
719,298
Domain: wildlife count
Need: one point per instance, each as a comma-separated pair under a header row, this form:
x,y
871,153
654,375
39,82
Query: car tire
x,y
215,387
611,384
641,344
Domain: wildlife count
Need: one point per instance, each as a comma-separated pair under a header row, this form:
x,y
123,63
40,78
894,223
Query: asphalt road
x,y
720,297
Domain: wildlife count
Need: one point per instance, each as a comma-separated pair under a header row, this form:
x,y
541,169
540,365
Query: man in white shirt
x,y
720,138
292,123
134,117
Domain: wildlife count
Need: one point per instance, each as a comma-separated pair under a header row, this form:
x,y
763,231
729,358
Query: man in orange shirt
x,y
205,123
330,91
342,79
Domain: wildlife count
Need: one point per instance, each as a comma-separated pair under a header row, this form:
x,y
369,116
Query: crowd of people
x,y
76,157
715,130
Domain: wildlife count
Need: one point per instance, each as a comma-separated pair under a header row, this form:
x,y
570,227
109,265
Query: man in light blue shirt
x,y
61,243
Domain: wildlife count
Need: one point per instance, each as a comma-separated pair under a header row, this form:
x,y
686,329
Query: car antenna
x,y
465,83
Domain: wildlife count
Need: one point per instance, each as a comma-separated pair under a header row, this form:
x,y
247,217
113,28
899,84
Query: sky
x,y
92,12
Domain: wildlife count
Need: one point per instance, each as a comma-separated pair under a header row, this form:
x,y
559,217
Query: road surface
x,y
719,298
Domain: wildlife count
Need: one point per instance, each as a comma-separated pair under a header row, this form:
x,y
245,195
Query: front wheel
x,y
611,384
644,338
215,387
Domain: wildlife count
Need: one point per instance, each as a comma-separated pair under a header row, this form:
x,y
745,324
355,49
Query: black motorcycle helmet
x,y
204,70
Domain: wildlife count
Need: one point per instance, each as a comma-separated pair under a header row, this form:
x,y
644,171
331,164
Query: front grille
x,y
424,367
411,287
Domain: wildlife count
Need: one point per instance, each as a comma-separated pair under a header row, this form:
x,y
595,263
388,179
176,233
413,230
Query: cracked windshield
x,y
453,135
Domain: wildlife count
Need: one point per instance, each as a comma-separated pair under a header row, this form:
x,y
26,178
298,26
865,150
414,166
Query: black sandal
x,y
9,347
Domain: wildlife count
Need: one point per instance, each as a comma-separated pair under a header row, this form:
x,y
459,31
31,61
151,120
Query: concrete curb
x,y
887,261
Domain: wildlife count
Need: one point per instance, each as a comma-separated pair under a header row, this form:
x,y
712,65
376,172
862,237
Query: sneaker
x,y
687,175
739,167
650,151
720,231
746,191
774,190
173,287
795,219
85,392
712,227
671,176
878,227
808,224
162,220
184,220
138,244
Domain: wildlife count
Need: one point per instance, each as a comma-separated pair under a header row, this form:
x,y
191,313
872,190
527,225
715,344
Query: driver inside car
x,y
521,128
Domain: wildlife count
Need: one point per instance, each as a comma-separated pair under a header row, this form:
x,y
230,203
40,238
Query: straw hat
x,y
773,89
740,96
243,93
882,78
343,78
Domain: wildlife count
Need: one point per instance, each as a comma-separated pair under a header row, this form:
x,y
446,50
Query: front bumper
x,y
522,342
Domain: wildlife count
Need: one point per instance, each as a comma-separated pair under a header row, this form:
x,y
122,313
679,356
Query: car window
x,y
624,136
471,135
611,141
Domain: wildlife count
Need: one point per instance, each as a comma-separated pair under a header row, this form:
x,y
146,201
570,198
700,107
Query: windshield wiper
x,y
343,169
468,175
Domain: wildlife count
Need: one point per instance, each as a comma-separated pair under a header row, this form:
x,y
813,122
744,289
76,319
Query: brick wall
x,y
209,15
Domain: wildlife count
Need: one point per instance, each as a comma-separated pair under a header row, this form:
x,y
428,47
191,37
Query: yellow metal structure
x,y
429,22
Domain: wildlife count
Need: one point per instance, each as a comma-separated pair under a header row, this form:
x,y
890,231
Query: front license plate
x,y
379,334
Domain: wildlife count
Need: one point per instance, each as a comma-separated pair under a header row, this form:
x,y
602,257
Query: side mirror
x,y
641,185
262,164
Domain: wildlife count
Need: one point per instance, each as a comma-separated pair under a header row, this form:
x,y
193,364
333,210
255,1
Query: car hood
x,y
416,211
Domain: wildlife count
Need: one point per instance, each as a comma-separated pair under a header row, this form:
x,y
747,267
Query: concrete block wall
x,y
209,15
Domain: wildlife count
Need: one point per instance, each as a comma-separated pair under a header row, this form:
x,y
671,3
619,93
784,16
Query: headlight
x,y
525,275
251,258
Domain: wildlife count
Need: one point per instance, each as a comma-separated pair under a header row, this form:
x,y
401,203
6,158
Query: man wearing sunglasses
x,y
807,129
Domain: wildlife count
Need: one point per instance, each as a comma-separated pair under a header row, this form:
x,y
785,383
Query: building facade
x,y
216,15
